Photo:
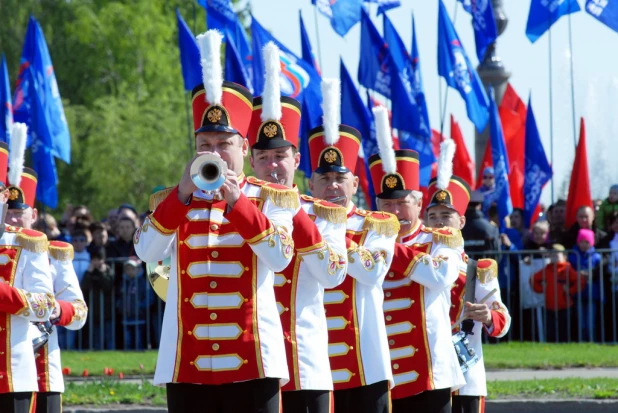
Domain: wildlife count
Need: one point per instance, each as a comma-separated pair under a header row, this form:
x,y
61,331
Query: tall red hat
x,y
218,106
4,162
446,189
333,147
21,181
276,119
23,194
394,173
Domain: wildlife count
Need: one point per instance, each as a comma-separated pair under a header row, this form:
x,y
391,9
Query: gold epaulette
x,y
450,237
61,251
381,223
330,212
280,195
486,270
30,240
158,197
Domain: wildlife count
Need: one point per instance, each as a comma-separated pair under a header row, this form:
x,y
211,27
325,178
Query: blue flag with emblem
x,y
343,14
605,11
189,55
303,139
407,114
6,109
537,171
385,5
307,54
501,194
417,82
455,67
544,13
484,23
299,79
235,70
426,157
374,68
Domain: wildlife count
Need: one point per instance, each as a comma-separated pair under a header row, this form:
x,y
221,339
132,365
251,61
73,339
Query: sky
x,y
595,65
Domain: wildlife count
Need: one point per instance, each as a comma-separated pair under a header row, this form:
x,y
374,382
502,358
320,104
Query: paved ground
x,y
524,374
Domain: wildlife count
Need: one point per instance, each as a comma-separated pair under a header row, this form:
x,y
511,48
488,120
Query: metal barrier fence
x,y
569,305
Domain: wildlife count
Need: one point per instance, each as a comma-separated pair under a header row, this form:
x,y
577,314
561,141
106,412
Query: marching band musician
x,y
320,258
25,291
358,346
417,298
449,199
222,346
70,310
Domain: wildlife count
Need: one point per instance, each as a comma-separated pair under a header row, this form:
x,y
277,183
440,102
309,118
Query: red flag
x,y
363,181
579,188
513,119
463,166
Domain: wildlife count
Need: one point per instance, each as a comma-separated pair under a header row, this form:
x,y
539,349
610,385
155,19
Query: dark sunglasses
x,y
488,177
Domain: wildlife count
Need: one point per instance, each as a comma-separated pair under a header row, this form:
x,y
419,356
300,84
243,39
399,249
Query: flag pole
x,y
572,79
551,117
317,35
443,108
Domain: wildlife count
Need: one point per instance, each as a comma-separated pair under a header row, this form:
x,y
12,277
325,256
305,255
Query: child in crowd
x,y
134,301
81,259
608,206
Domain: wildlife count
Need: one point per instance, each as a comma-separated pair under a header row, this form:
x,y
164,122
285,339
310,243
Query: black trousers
x,y
431,401
49,402
468,404
374,398
22,402
308,401
253,396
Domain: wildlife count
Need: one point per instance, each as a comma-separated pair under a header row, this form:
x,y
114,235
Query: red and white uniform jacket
x,y
25,296
221,323
486,281
416,306
320,261
358,347
73,316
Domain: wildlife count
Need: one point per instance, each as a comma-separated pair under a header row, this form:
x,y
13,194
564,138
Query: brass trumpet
x,y
208,172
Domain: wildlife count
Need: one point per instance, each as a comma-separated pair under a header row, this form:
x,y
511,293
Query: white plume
x,y
331,106
271,96
385,139
212,72
445,163
17,150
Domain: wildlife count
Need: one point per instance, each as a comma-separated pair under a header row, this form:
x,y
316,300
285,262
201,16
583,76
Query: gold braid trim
x,y
283,198
389,227
61,253
486,270
334,214
450,237
35,243
158,197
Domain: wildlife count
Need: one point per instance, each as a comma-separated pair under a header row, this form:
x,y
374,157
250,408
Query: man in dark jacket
x,y
479,234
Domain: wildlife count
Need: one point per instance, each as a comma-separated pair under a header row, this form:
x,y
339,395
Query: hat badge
x,y
391,182
270,130
14,194
441,195
330,156
214,115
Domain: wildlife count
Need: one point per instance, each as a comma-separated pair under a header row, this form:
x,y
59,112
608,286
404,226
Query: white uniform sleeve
x,y
369,263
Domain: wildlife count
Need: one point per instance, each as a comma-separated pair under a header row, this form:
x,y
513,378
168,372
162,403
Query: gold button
x,y
215,347
213,316
351,347
391,342
391,274
389,318
191,363
214,227
452,305
190,333
286,309
289,281
213,284
395,366
388,294
246,268
181,242
1,352
186,300
413,326
412,301
214,254
246,300
183,272
245,362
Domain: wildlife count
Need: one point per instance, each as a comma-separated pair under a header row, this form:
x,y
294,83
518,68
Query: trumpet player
x,y
358,346
417,295
320,259
70,310
222,343
25,288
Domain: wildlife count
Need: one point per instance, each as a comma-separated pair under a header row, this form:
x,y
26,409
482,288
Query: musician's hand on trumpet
x,y
230,188
186,187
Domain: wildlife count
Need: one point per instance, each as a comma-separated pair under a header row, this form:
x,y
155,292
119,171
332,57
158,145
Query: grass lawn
x,y
599,388
127,362
110,391
545,356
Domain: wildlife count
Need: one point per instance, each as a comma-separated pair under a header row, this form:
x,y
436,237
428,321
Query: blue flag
x,y
417,83
299,79
544,13
455,67
6,109
537,169
343,14
407,114
375,66
385,5
189,54
308,55
235,70
303,139
501,194
426,157
484,23
605,11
